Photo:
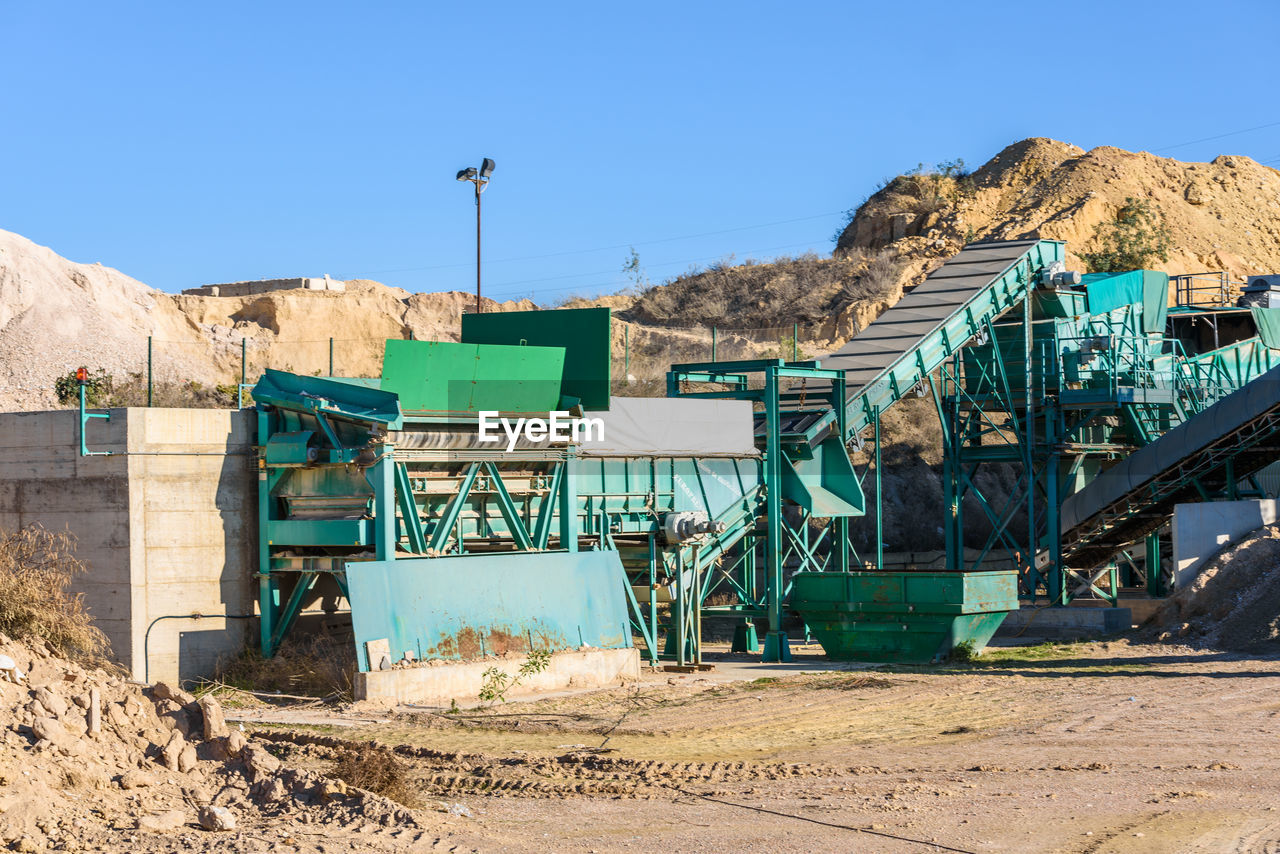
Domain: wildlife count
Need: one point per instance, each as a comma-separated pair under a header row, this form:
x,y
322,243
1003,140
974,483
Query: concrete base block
x,y
1067,622
440,684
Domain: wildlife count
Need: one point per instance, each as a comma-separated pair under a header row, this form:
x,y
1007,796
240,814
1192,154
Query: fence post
x,y
795,342
330,355
713,343
244,356
150,374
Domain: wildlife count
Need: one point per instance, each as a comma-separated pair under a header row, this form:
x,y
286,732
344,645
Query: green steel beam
x,y
444,525
409,511
515,523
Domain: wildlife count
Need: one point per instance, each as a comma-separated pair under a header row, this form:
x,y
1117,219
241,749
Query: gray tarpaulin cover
x,y
663,426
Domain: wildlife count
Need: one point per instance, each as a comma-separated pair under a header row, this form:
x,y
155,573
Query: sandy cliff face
x,y
56,315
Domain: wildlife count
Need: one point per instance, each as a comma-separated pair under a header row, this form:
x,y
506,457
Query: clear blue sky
x,y
191,143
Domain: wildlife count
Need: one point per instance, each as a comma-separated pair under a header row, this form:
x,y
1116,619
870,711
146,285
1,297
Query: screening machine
x,y
383,491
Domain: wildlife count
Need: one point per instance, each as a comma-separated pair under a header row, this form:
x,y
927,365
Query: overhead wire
x,y
561,254
1218,136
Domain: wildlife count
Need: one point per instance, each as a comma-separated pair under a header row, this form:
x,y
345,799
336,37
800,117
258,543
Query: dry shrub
x,y
37,567
755,295
306,665
376,769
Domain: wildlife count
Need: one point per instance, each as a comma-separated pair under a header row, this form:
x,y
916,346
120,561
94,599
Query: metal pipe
x,y
150,381
713,343
330,355
478,309
795,342
146,637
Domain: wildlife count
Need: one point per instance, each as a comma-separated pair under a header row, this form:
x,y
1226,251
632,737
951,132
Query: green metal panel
x,y
327,396
477,605
823,481
1268,322
1146,288
441,377
909,617
289,448
582,332
320,532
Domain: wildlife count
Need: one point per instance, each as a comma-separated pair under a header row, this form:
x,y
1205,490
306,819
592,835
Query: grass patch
x,y
316,666
851,683
36,570
1044,651
376,769
762,682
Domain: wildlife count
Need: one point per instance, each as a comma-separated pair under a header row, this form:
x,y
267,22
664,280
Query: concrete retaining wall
x,y
166,524
1202,530
443,683
265,286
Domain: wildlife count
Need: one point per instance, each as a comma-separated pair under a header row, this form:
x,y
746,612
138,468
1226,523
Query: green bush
x,y
1137,236
96,390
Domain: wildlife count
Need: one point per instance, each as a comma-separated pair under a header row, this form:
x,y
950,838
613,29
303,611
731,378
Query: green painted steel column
x,y
244,360
150,373
569,504
1155,578
795,342
776,647
1053,501
653,597
1029,431
879,497
268,594
330,355
842,523
713,343
382,475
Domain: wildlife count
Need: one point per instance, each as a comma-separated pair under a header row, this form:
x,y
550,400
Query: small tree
x,y
631,267
1137,236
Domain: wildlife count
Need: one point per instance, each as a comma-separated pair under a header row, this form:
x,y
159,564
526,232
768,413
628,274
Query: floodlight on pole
x,y
480,178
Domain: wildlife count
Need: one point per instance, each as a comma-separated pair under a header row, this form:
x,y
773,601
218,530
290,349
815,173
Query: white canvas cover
x,y
669,426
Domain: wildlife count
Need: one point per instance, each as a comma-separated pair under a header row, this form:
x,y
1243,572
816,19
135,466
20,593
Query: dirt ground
x,y
1098,747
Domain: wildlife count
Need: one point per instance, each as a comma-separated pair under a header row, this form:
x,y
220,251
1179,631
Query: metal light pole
x,y
480,178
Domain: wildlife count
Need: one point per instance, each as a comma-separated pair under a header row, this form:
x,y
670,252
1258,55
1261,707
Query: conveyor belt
x,y
910,340
1231,439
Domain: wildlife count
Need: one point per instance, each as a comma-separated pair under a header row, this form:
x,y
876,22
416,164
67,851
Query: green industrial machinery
x,y
1100,405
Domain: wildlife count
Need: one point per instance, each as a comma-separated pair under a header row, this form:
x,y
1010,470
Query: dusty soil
x,y
1079,748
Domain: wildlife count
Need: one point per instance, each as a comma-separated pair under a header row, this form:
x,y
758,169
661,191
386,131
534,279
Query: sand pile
x,y
1234,603
88,758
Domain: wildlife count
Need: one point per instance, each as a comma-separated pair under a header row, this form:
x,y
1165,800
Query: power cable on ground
x,y
937,845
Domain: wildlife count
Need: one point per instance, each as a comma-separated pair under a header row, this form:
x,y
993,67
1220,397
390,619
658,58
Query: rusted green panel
x,y
469,607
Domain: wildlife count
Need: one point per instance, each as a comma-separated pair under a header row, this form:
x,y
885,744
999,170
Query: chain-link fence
x,y
217,371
